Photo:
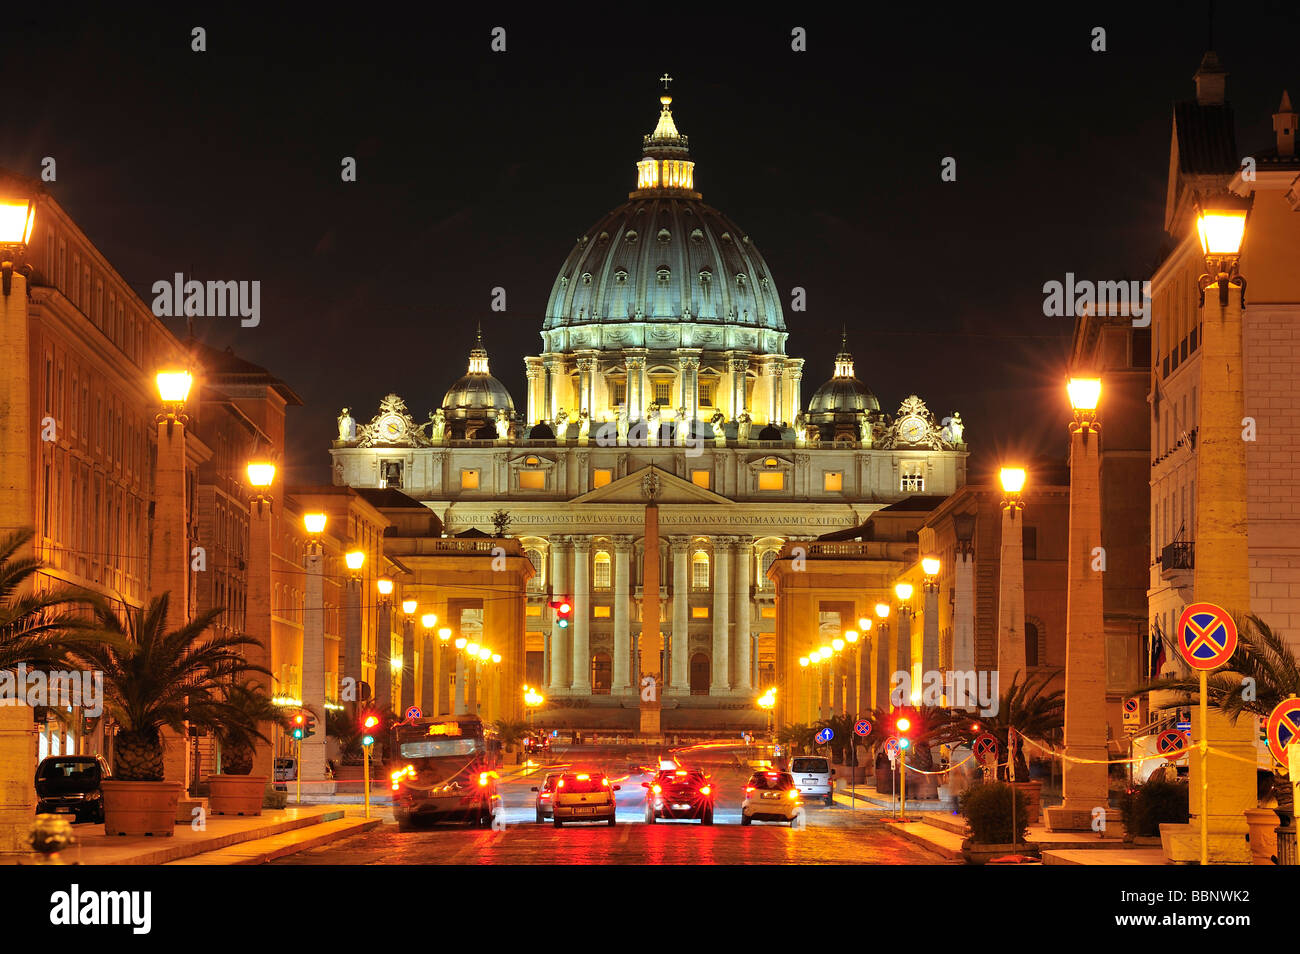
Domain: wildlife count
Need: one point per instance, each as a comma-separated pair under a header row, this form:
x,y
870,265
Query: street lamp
x,y
17,219
314,524
410,606
1011,579
385,587
173,391
930,566
428,620
355,559
903,641
261,475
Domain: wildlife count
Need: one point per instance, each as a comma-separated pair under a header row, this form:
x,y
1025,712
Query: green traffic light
x,y
367,740
297,733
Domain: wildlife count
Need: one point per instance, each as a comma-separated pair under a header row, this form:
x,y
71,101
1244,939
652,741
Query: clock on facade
x,y
391,427
912,430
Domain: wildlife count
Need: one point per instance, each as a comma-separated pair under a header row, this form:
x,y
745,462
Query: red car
x,y
680,793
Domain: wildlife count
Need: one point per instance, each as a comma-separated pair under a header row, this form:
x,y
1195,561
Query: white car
x,y
583,797
771,796
814,776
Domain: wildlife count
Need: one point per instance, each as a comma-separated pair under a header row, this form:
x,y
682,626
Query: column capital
x,y
679,542
560,541
743,541
635,357
623,542
580,541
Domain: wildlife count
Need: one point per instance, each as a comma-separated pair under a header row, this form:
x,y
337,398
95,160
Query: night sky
x,y
478,169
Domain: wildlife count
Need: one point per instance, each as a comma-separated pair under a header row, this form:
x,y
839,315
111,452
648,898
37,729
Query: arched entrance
x,y
602,674
699,675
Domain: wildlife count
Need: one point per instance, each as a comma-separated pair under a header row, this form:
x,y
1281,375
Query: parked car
x,y
583,796
70,785
680,793
814,776
544,802
771,796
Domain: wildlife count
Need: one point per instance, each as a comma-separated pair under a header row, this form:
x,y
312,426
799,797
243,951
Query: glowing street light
x,y
930,565
903,591
385,587
444,634
354,559
314,523
428,620
261,474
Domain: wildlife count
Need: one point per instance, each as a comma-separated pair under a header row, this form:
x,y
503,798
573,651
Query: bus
x,y
444,770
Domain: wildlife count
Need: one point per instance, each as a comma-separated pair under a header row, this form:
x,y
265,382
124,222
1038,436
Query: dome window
x,y
697,235
706,276
726,237
664,236
664,275
564,281
620,277
582,240
586,278
740,280
630,237
604,237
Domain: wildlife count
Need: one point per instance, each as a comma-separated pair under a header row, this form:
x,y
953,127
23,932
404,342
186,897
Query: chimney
x,y
1284,123
1211,79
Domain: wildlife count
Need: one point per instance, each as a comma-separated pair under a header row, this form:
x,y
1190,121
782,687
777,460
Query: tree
x,y
154,679
240,732
1263,657
1030,709
501,521
511,733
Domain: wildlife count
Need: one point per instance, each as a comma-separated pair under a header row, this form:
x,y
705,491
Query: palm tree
x,y
799,738
511,733
1262,656
250,707
155,678
1030,709
38,629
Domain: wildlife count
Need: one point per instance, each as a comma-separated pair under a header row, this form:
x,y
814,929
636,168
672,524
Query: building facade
x,y
663,365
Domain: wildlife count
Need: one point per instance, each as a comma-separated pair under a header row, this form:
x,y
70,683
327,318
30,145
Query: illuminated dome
x,y
664,270
843,399
478,396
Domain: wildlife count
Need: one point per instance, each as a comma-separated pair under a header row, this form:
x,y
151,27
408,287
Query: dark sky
x,y
478,169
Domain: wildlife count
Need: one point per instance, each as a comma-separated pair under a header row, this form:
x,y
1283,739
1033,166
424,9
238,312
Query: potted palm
x,y
156,679
37,630
510,733
1036,713
235,790
1264,657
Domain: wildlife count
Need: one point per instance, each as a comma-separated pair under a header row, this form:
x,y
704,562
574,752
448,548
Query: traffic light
x,y
368,726
299,726
903,726
563,612
309,726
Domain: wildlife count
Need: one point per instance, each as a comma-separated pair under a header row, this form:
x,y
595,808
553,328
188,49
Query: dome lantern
x,y
665,167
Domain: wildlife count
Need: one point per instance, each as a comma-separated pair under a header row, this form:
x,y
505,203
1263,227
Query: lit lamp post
x,y
444,682
851,638
824,672
767,702
1011,580
837,674
407,668
1221,571
461,644
257,617
429,665
384,648
804,663
17,219
903,641
352,662
881,645
533,700
1084,784
930,622
312,767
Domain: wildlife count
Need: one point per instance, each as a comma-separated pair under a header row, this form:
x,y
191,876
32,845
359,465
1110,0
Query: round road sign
x,y
825,735
1130,705
1172,744
414,712
863,727
891,746
1283,728
985,748
1206,636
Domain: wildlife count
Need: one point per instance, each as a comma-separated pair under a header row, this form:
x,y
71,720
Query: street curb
x,y
916,837
263,850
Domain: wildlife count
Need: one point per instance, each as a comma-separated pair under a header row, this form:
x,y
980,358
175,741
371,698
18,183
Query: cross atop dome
x,y
478,356
666,164
844,360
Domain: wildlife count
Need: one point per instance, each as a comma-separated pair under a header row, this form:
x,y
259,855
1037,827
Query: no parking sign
x,y
863,727
1283,728
825,735
985,749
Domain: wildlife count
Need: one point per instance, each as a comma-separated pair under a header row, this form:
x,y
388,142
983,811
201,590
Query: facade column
x,y
581,615
903,644
461,708
738,365
587,383
744,640
258,612
313,662
1011,594
681,645
561,554
429,676
634,359
622,682
688,365
721,683
774,396
554,366
536,374
930,628
882,645
794,377
962,658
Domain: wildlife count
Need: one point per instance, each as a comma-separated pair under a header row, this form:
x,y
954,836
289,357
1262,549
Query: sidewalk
x,y
291,829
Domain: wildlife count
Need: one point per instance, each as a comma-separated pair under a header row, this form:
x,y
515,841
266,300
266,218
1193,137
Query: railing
x,y
1179,555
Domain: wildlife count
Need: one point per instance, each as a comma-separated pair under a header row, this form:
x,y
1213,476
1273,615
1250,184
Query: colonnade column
x,y
688,363
554,368
581,615
794,379
774,396
738,365
561,553
634,359
681,548
536,389
587,383
744,658
622,607
721,682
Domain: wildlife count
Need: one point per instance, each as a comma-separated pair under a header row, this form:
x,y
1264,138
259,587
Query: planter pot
x,y
922,787
236,794
976,854
1262,823
1033,795
140,808
885,783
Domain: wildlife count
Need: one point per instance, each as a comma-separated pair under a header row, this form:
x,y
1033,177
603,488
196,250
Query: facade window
x,y
601,476
602,674
538,582
619,390
1032,652
912,479
532,480
833,480
700,570
601,570
699,612
771,480
765,564
600,612
391,474
706,393
700,478
469,479
663,392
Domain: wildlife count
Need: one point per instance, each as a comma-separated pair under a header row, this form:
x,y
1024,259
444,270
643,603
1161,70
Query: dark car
x,y
70,785
680,793
545,801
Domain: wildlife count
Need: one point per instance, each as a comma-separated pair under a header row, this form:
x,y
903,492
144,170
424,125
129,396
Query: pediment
x,y
631,489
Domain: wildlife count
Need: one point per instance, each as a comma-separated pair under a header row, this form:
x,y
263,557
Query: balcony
x,y
1177,558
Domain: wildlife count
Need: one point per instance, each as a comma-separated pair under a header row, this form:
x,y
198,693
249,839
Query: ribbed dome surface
x,y
658,258
475,393
842,396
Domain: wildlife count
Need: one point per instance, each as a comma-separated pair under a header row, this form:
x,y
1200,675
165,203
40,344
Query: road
x,y
833,835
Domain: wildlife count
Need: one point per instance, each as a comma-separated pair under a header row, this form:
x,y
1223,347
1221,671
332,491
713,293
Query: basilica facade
x,y
662,377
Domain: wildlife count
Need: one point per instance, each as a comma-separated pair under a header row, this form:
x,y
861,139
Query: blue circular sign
x,y
414,712
863,727
825,735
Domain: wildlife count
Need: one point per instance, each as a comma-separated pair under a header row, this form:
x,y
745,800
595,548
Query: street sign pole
x,y
1205,766
902,783
297,770
366,760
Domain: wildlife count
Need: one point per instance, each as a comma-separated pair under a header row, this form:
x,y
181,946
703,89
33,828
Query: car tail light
x,y
605,782
546,794
656,789
482,779
704,790
749,789
792,794
560,784
583,778
679,773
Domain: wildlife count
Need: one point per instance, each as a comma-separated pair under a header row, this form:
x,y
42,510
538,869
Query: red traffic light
x,y
370,722
902,724
563,612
